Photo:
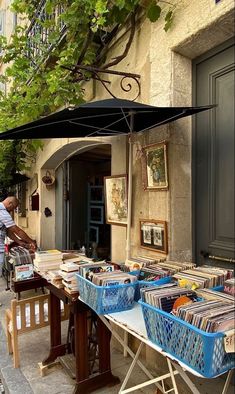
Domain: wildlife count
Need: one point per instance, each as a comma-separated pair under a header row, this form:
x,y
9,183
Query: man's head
x,y
11,203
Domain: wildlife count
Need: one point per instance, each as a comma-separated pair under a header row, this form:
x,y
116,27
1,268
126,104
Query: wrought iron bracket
x,y
85,73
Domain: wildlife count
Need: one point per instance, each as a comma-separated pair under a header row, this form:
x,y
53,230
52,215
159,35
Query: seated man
x,y
9,228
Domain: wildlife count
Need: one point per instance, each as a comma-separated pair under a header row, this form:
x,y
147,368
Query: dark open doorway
x,y
84,220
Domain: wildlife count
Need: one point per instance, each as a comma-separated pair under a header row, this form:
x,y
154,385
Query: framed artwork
x,y
153,235
155,174
116,199
96,214
94,234
96,194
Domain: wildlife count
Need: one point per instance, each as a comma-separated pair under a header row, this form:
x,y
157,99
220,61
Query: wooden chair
x,y
25,316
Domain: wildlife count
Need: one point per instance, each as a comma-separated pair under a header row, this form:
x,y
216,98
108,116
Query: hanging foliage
x,y
61,35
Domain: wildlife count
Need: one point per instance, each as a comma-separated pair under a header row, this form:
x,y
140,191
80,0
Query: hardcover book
x,y
24,271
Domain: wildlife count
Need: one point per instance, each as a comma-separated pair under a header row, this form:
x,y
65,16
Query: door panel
x,y
214,157
61,203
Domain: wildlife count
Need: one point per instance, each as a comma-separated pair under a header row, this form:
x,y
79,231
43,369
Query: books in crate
x,y
110,290
191,329
229,286
214,315
203,277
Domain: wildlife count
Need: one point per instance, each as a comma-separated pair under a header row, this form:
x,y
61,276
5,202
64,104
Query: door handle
x,y
207,255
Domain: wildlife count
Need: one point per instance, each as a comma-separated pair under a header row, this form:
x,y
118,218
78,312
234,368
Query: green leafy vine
x,y
37,90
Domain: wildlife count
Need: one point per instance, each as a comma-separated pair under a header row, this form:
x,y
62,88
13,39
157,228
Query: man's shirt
x,y
6,221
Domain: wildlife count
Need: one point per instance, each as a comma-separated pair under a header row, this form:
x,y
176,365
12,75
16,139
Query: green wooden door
x,y
213,157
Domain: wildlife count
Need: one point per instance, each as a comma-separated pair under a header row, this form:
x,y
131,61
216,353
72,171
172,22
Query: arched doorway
x,y
79,202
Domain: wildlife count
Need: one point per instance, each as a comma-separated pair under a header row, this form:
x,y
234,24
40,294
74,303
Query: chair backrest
x,y
30,313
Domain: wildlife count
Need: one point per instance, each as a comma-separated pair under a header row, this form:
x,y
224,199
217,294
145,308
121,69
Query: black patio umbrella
x,y
100,118
103,118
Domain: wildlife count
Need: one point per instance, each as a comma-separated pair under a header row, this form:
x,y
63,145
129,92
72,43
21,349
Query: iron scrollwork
x,y
85,73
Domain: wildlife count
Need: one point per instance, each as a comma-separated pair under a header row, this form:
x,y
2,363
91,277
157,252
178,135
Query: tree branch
x,y
85,45
118,59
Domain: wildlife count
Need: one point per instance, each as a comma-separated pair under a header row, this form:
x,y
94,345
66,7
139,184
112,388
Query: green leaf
x,y
153,11
168,20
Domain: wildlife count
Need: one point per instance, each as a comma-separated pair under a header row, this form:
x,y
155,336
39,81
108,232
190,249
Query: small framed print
x,y
116,199
155,174
96,194
96,214
153,235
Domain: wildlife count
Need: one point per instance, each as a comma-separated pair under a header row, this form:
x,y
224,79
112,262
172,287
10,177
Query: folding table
x,y
132,322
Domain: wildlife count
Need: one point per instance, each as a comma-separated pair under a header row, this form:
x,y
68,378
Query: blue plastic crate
x,y
106,299
204,352
144,283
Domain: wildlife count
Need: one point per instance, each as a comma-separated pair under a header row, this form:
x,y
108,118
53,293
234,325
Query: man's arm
x,y
14,238
17,234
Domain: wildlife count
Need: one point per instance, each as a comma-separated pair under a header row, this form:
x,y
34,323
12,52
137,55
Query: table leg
x,y
84,382
54,314
185,377
227,382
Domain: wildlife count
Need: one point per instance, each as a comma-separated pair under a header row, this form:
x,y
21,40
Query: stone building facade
x,y
166,63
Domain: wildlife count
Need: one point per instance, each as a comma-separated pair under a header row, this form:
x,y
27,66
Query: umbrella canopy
x,y
100,118
18,178
103,118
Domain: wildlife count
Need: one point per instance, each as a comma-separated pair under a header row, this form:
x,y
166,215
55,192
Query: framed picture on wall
x,y
116,199
153,235
155,174
96,194
96,214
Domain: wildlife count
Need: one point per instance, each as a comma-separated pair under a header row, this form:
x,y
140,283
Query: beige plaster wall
x,y
164,62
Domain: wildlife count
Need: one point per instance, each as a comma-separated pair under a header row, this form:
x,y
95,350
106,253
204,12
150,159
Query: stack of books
x,y
55,278
46,260
67,272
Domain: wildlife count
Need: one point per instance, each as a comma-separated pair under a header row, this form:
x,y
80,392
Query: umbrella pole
x,y
129,202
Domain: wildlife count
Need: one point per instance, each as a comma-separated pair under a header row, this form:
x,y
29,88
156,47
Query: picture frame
x,y
115,188
96,214
96,195
153,235
155,171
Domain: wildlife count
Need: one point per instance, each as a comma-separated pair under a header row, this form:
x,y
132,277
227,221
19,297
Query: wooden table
x,y
85,383
28,284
